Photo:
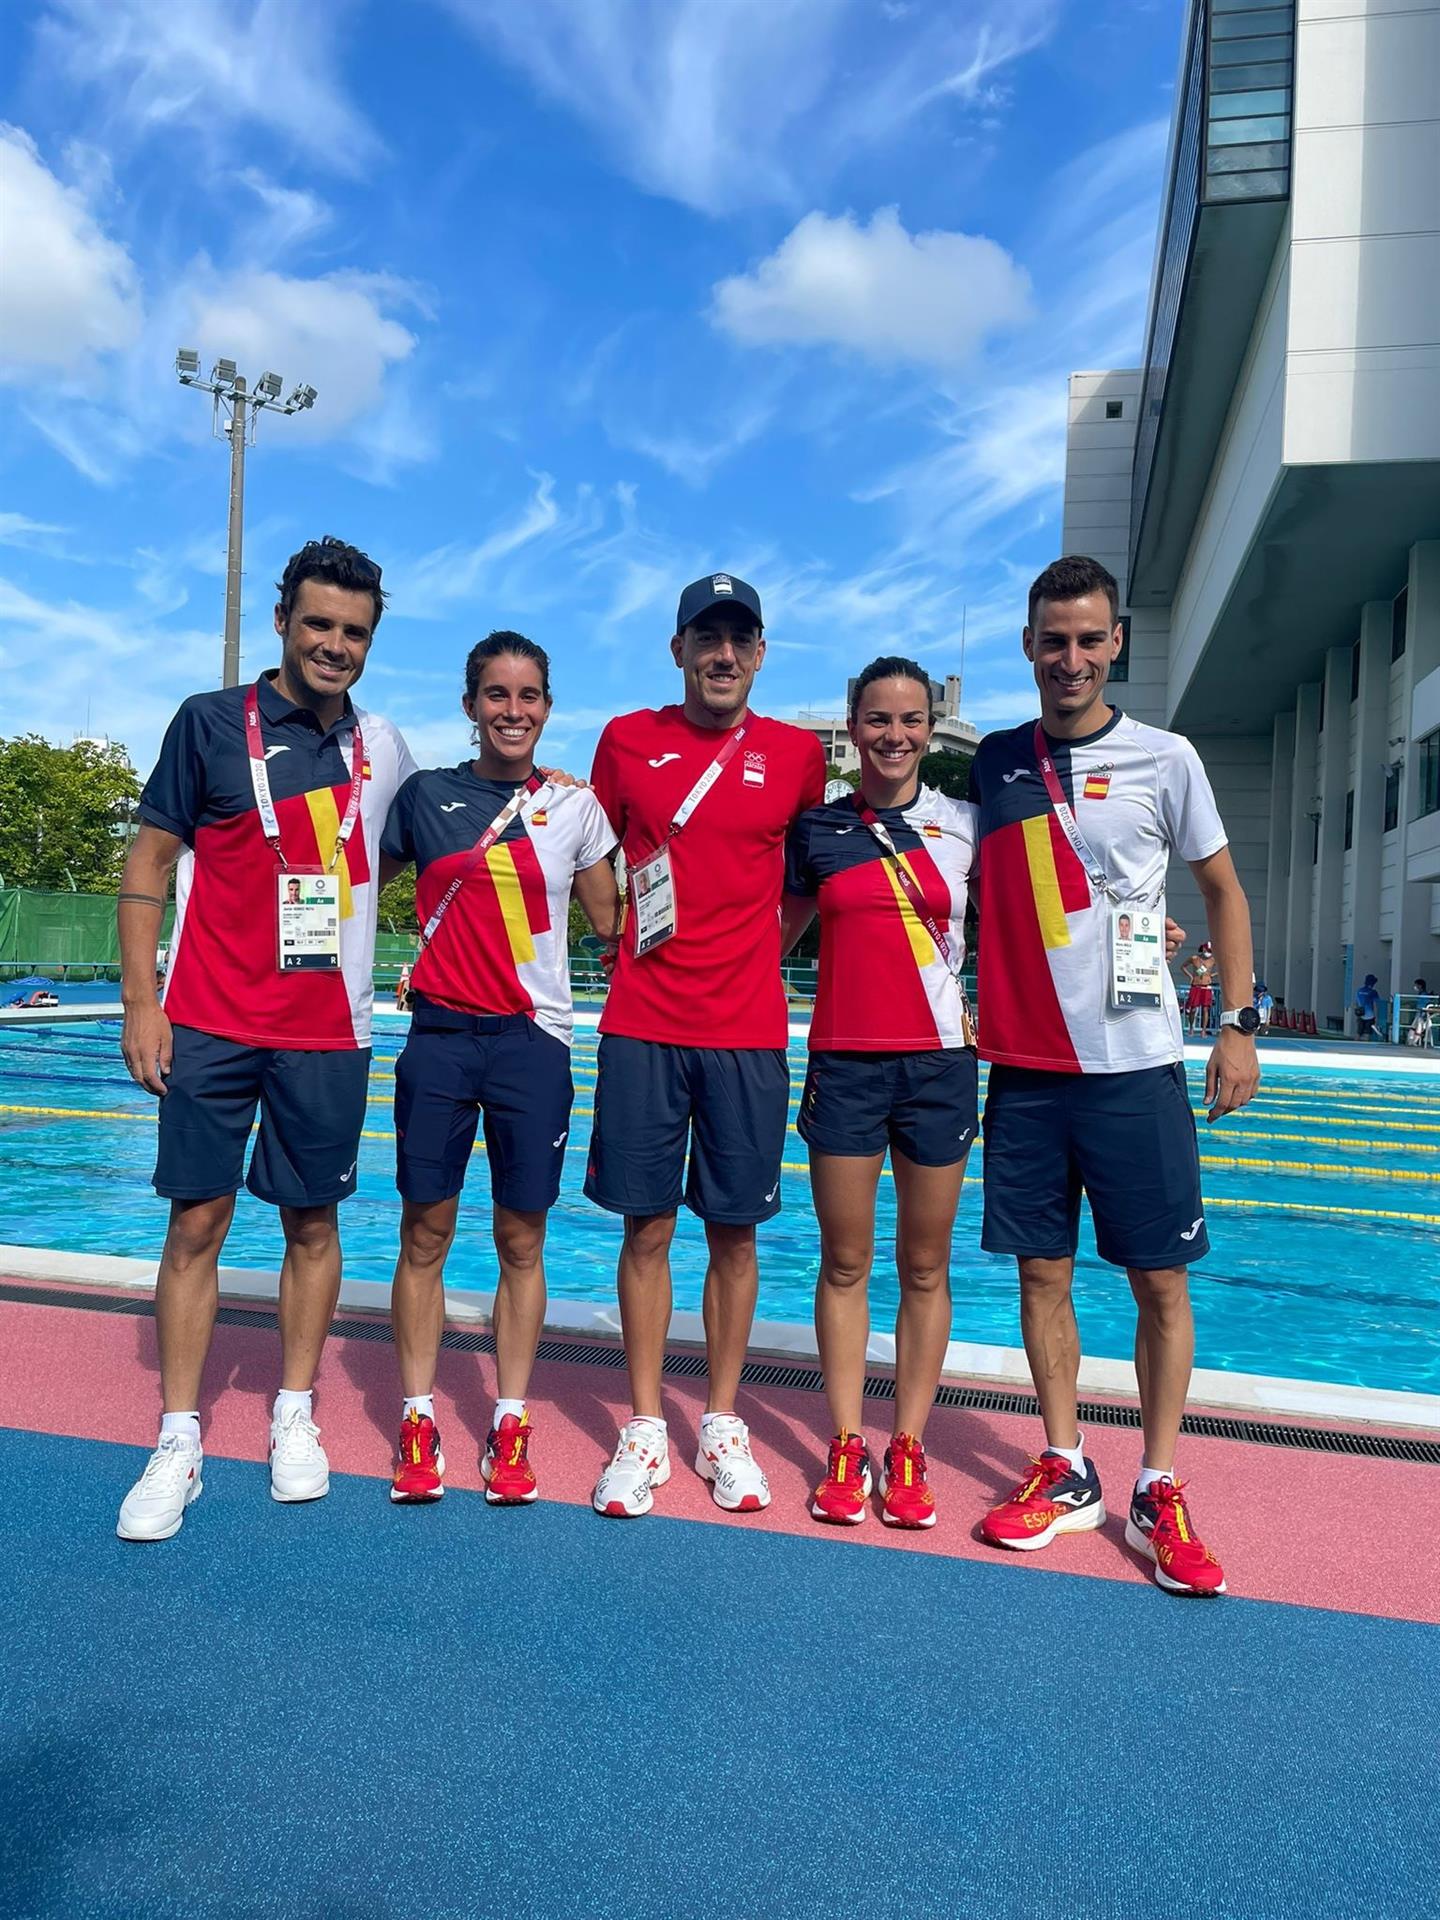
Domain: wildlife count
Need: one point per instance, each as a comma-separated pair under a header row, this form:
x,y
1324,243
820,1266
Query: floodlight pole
x,y
232,399
235,427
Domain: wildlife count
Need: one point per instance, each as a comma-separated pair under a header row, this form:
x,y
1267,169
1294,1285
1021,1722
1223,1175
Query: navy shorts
x,y
1126,1140
312,1107
456,1066
924,1105
729,1105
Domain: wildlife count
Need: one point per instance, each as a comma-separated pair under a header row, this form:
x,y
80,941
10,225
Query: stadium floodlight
x,y
234,416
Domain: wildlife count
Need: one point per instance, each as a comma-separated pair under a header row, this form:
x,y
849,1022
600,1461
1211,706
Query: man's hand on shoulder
x,y
558,777
1232,1073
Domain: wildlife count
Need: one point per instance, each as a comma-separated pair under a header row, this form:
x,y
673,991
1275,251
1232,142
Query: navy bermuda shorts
x,y
457,1067
728,1105
1125,1140
922,1105
311,1104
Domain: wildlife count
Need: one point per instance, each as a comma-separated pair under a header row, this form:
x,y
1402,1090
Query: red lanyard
x,y
478,852
1069,826
908,884
260,781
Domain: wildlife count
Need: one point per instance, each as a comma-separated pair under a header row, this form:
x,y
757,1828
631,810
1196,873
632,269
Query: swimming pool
x,y
1323,1201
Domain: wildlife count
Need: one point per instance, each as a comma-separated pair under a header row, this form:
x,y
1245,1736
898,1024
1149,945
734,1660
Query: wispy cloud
x,y
755,101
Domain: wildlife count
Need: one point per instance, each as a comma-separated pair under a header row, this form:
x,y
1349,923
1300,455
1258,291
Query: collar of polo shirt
x,y
276,709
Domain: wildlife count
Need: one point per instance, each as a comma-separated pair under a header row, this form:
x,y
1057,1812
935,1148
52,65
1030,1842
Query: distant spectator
x,y
1367,1009
1264,1004
1421,1031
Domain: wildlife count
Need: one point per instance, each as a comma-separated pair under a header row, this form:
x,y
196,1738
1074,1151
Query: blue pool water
x,y
1315,1272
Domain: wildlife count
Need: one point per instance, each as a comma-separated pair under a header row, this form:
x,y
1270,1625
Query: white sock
x,y
187,1425
421,1403
502,1407
288,1400
1075,1455
715,1414
1147,1477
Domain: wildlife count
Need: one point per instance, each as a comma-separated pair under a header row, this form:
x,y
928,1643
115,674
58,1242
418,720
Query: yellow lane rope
x,y
1318,1166
1308,1206
1339,1120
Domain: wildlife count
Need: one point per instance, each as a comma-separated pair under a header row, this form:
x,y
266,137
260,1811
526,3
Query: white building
x,y
1267,487
952,734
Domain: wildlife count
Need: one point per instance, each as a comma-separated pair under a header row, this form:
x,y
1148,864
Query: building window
x,y
1315,819
1355,671
1397,623
1320,723
1349,819
1120,666
1429,776
1392,798
1114,409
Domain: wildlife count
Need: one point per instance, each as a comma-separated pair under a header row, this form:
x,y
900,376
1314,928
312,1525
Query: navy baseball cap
x,y
716,590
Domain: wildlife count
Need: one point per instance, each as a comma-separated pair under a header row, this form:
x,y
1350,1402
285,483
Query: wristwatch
x,y
1245,1018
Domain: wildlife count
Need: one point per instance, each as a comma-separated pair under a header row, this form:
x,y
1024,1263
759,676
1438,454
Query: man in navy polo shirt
x,y
271,799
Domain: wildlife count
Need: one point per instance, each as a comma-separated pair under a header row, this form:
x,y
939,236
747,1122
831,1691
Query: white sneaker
x,y
725,1459
155,1506
641,1463
298,1467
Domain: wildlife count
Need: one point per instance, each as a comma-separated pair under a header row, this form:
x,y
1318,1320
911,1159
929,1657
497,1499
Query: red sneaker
x,y
508,1475
1055,1499
420,1465
904,1485
842,1494
1160,1527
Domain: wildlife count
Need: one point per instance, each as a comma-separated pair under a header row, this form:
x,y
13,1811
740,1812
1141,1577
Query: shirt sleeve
x,y
398,839
1188,811
605,779
812,778
598,837
405,761
174,795
800,877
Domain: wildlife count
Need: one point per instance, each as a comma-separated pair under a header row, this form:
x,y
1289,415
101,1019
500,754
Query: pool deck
x,y
354,1711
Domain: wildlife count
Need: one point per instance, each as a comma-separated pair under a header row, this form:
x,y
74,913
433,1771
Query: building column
x,y
1275,959
1304,801
1332,781
1416,949
1372,757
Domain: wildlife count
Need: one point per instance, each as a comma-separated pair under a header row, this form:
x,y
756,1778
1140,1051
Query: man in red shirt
x,y
693,1046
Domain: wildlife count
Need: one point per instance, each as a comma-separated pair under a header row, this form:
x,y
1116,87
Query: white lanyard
x,y
707,779
478,852
260,781
909,887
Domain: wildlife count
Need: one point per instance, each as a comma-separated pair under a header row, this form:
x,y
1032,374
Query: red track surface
x,y
1309,1529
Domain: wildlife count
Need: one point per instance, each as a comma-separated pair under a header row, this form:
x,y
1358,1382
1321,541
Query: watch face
x,y
1247,1019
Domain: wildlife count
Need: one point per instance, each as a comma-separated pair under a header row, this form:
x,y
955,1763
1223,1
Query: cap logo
x,y
721,584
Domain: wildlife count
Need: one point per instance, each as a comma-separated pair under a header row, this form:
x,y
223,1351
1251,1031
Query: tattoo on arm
x,y
144,899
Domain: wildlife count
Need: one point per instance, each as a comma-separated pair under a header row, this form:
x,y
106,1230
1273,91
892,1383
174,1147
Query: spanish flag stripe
x,y
326,818
508,891
1045,883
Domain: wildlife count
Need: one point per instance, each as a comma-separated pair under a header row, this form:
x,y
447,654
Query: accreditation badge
x,y
1137,954
307,916
652,900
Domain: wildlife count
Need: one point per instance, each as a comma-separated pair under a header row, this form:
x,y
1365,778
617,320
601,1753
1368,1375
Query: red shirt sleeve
x,y
812,780
605,779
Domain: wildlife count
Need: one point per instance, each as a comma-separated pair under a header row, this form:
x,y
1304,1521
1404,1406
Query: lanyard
x,y
908,885
707,779
1094,872
478,852
260,781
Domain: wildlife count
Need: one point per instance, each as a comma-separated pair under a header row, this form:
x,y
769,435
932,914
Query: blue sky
x,y
597,297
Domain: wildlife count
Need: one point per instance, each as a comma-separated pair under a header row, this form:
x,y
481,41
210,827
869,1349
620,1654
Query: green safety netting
x,y
40,932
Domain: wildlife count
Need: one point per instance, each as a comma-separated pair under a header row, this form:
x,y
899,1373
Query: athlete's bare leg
x,y
187,1295
519,1298
732,1283
1164,1356
645,1301
926,1202
1052,1344
417,1295
843,1187
309,1288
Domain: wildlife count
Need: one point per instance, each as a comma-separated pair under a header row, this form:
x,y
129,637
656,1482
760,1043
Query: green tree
x,y
64,812
397,904
947,773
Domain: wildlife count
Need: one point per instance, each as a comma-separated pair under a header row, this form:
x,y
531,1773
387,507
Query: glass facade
x,y
1429,801
1231,145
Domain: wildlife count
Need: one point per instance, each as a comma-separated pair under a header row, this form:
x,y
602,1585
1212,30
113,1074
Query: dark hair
x,y
491,648
1071,579
338,565
890,666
